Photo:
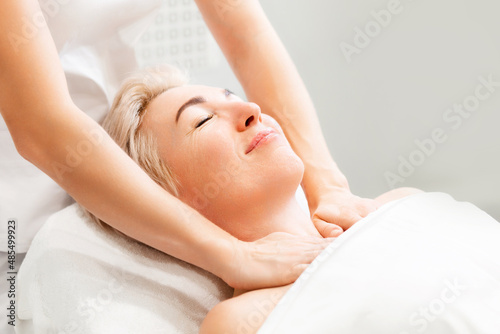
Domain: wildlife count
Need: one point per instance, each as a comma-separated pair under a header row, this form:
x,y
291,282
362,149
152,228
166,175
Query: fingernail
x,y
336,232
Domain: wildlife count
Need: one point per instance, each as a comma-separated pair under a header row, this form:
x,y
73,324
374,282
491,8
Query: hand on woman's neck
x,y
286,216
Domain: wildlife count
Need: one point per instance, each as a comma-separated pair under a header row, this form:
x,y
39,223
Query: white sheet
x,y
423,264
77,278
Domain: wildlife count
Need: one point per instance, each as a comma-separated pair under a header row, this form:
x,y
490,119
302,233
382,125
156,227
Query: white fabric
x,y
423,264
6,293
95,42
78,278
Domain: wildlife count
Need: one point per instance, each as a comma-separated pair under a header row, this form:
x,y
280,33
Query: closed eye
x,y
204,120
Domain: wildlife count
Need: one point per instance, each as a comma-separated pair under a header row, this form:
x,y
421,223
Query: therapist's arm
x,y
271,80
46,126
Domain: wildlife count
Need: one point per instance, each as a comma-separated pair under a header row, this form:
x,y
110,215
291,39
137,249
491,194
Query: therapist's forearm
x,y
270,79
114,188
66,144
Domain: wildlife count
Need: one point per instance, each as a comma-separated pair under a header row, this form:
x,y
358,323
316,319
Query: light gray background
x,y
396,90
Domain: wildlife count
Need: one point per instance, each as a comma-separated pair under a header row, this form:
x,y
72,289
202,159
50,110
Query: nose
x,y
247,114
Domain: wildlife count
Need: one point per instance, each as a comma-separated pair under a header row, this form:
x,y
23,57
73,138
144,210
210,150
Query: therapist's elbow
x,y
21,138
32,147
27,147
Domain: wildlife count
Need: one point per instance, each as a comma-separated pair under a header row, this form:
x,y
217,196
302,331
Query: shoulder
x,y
396,194
245,313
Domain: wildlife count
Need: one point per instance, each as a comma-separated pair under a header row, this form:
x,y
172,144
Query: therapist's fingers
x,y
309,255
346,219
327,230
365,206
298,269
341,208
275,260
331,219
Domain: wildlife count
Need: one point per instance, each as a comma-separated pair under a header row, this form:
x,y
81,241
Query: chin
x,y
283,174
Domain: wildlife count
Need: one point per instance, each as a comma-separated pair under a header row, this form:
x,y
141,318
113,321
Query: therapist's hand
x,y
338,209
275,260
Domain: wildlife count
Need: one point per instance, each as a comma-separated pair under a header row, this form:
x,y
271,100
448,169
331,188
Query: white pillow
x,y
78,278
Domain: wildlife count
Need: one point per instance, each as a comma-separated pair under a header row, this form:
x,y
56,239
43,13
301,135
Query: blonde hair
x,y
124,120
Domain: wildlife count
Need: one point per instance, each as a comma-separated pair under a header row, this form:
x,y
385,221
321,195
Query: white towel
x,y
77,278
423,264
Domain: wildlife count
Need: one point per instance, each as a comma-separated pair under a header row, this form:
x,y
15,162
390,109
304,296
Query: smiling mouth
x,y
261,137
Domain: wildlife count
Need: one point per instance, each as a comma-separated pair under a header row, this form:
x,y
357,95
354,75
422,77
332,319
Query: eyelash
x,y
204,120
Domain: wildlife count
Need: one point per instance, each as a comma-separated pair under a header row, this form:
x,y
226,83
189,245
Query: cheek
x,y
204,159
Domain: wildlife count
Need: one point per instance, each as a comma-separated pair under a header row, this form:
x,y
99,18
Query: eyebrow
x,y
193,101
196,100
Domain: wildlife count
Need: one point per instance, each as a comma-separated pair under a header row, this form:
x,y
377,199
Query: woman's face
x,y
225,153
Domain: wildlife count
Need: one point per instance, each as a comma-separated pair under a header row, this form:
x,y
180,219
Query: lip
x,y
260,138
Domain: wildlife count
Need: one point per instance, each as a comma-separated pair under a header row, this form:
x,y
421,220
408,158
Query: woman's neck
x,y
271,216
288,217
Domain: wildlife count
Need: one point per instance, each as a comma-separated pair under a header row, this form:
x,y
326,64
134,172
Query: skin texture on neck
x,y
272,215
